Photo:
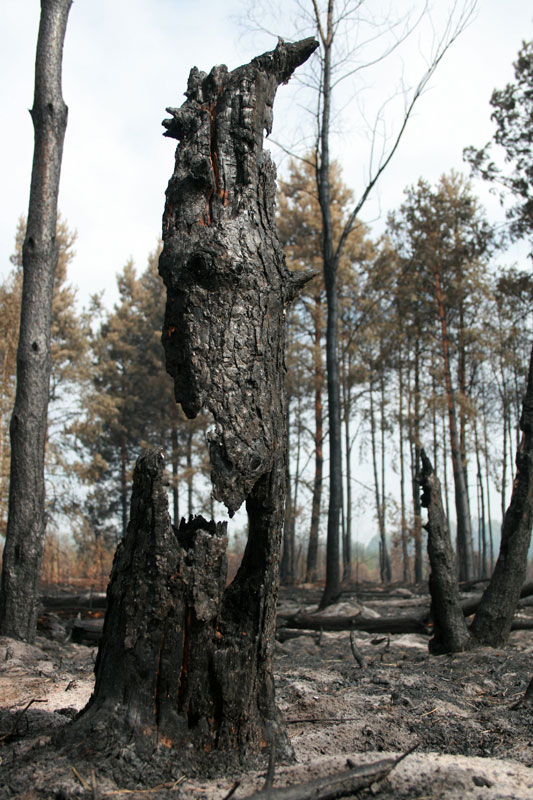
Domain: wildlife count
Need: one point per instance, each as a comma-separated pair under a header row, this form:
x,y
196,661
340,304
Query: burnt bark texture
x,y
494,617
186,661
223,267
450,632
26,516
169,669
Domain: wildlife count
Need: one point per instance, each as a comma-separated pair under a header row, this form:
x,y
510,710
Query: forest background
x,y
110,395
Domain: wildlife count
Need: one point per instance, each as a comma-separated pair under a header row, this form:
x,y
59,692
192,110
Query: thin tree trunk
x,y
332,587
464,532
503,485
123,484
297,467
312,550
487,485
383,553
287,552
403,520
23,550
445,468
383,427
483,569
347,548
415,467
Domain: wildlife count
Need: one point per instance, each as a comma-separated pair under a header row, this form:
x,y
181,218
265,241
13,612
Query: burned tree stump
x,y
185,663
450,632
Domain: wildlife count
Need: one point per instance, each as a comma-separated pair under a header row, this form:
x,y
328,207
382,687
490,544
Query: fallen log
x,y
471,605
87,631
402,624
72,603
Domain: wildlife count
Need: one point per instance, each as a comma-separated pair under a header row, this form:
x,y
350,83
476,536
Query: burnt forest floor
x,y
465,713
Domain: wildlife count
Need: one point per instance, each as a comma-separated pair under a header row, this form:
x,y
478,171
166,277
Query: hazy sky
x,y
126,60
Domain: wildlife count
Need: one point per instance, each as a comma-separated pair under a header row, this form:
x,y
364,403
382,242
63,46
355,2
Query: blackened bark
x,y
492,622
223,266
450,632
182,660
200,656
26,516
160,630
224,337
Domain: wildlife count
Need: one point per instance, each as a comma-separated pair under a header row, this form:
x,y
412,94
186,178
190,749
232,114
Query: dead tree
x,y
184,660
493,619
19,592
450,632
494,616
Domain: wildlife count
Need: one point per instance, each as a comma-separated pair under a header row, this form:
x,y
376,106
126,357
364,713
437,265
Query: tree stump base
x,y
178,675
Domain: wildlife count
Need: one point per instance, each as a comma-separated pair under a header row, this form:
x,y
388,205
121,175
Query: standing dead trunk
x,y
450,633
286,567
492,622
401,436
186,661
415,465
384,561
312,549
19,592
464,531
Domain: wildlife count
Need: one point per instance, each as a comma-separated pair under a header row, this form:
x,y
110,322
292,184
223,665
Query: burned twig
x,y
13,733
357,654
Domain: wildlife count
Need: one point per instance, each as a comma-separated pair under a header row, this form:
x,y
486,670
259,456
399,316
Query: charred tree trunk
x,y
330,260
286,568
492,622
415,466
184,661
26,516
464,531
403,517
312,549
450,630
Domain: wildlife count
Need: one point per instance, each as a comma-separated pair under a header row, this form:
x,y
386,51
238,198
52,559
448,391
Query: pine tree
x,y
443,236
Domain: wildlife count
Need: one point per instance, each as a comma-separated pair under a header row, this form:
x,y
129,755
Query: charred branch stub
x,y
450,633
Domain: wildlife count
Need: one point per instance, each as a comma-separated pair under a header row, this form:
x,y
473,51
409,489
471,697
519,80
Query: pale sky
x,y
126,60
